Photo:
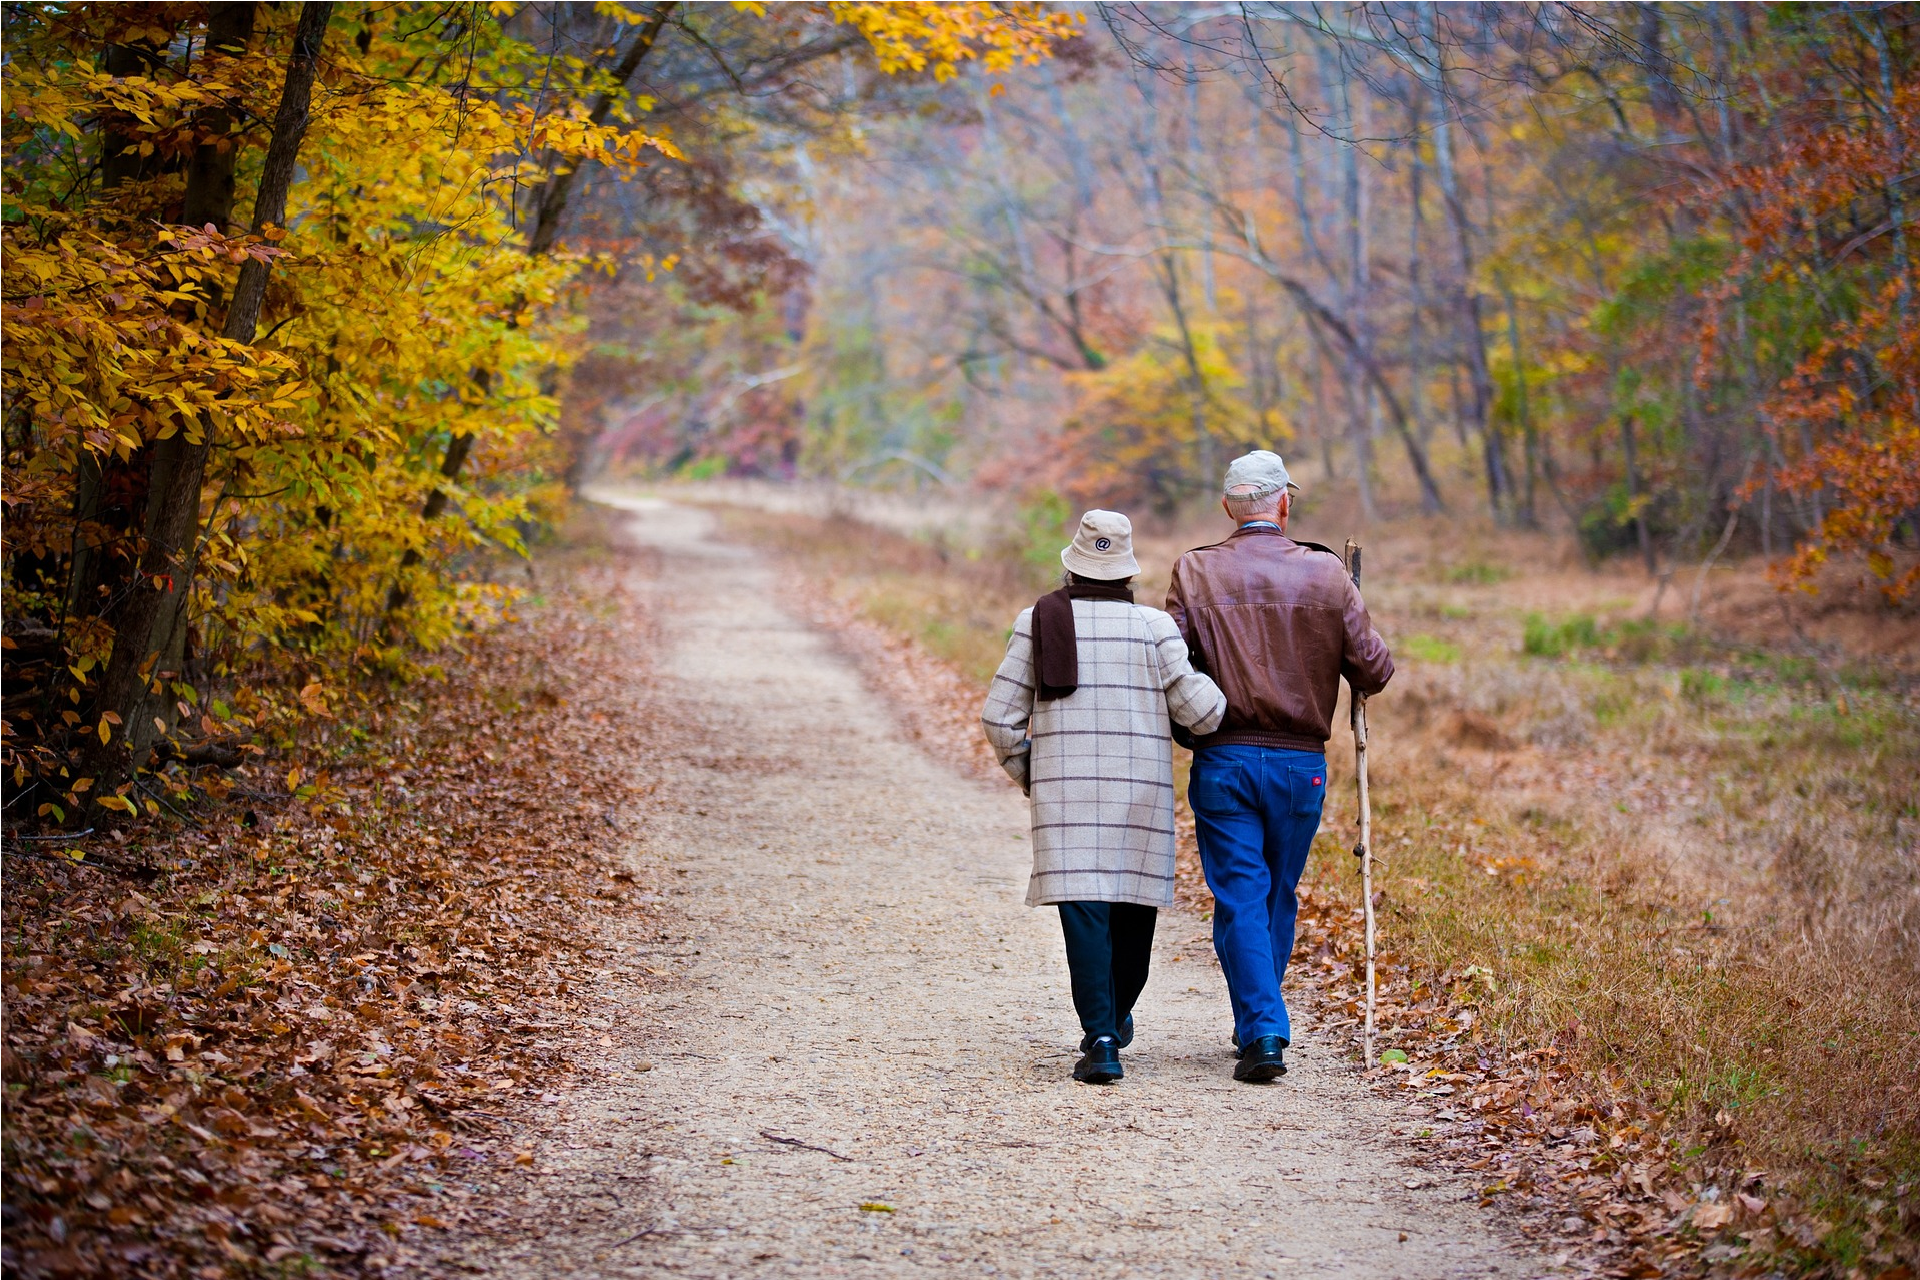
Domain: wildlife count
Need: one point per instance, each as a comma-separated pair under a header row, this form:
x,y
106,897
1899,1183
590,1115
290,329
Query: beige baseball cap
x,y
1257,474
1102,547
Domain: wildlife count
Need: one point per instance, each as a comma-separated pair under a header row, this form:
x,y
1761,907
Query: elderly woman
x,y
1078,714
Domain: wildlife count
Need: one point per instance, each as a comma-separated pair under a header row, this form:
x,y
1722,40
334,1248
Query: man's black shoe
x,y
1237,1050
1101,1063
1262,1060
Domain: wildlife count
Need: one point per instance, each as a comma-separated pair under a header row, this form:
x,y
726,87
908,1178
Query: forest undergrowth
x,y
1651,926
280,1034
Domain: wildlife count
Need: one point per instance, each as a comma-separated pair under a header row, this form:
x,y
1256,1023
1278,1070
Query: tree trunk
x,y
1897,145
208,202
168,563
1416,296
110,492
209,197
1522,410
1642,531
1467,309
1359,284
120,161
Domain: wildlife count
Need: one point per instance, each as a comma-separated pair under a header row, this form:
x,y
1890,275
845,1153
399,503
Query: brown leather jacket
x,y
1276,623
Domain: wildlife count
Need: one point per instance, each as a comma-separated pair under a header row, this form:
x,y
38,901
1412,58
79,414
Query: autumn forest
x,y
329,329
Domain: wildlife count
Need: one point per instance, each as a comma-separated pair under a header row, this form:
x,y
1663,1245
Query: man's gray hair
x,y
1245,502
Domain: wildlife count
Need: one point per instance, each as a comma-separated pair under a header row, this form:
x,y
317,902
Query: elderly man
x,y
1276,623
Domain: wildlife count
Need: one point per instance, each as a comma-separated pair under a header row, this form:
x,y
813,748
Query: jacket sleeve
x,y
1182,620
1364,660
1177,600
1010,701
1193,701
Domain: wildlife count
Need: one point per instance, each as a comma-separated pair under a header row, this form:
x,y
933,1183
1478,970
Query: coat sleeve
x,y
1193,701
1365,661
1177,599
1010,701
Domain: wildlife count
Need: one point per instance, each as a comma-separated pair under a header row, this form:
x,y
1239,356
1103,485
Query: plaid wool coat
x,y
1098,763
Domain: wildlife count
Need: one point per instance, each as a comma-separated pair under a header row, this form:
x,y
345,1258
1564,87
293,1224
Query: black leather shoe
x,y
1100,1064
1262,1060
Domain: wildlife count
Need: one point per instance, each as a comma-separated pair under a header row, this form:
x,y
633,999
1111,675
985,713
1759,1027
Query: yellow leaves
x,y
574,137
400,274
647,263
912,35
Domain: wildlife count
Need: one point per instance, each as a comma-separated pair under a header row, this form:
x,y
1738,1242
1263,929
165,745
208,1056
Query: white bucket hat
x,y
1102,547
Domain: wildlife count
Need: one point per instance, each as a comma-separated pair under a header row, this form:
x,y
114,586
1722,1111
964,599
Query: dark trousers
x,y
1109,946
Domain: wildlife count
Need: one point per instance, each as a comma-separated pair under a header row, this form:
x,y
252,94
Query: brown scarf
x,y
1056,652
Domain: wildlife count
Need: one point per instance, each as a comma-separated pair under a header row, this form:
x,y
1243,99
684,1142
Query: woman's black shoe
x,y
1262,1060
1100,1065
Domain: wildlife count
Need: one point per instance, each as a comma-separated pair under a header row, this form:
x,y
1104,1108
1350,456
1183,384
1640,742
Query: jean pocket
x,y
1215,789
1309,791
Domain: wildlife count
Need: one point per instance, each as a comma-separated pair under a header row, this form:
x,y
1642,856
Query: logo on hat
x,y
1103,544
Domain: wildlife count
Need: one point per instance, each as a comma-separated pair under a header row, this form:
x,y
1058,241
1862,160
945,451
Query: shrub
x,y
1544,639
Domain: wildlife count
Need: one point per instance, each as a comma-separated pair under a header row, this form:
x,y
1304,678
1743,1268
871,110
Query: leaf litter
x,y
300,1042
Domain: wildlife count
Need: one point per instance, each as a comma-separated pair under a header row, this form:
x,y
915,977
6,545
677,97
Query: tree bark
x,y
1468,310
208,202
1642,531
169,560
209,197
110,492
1358,283
1416,285
120,161
1522,410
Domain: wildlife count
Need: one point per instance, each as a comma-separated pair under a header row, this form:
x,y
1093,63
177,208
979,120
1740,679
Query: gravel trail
x,y
859,1063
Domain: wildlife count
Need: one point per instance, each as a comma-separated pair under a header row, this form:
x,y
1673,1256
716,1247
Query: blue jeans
x,y
1256,810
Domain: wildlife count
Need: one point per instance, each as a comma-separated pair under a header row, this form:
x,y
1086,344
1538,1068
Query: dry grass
x,y
1692,866
1683,866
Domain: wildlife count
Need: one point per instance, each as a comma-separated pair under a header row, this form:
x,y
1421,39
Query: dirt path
x,y
861,1012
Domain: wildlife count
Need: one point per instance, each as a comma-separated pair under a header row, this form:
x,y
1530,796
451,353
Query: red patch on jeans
x,y
1316,782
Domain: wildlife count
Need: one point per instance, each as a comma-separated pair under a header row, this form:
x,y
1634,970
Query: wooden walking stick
x,y
1363,850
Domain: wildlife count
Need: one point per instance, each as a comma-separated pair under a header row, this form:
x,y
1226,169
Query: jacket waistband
x,y
1260,738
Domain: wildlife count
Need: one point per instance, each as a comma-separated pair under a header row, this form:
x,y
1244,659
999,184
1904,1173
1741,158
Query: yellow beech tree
x,y
287,318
